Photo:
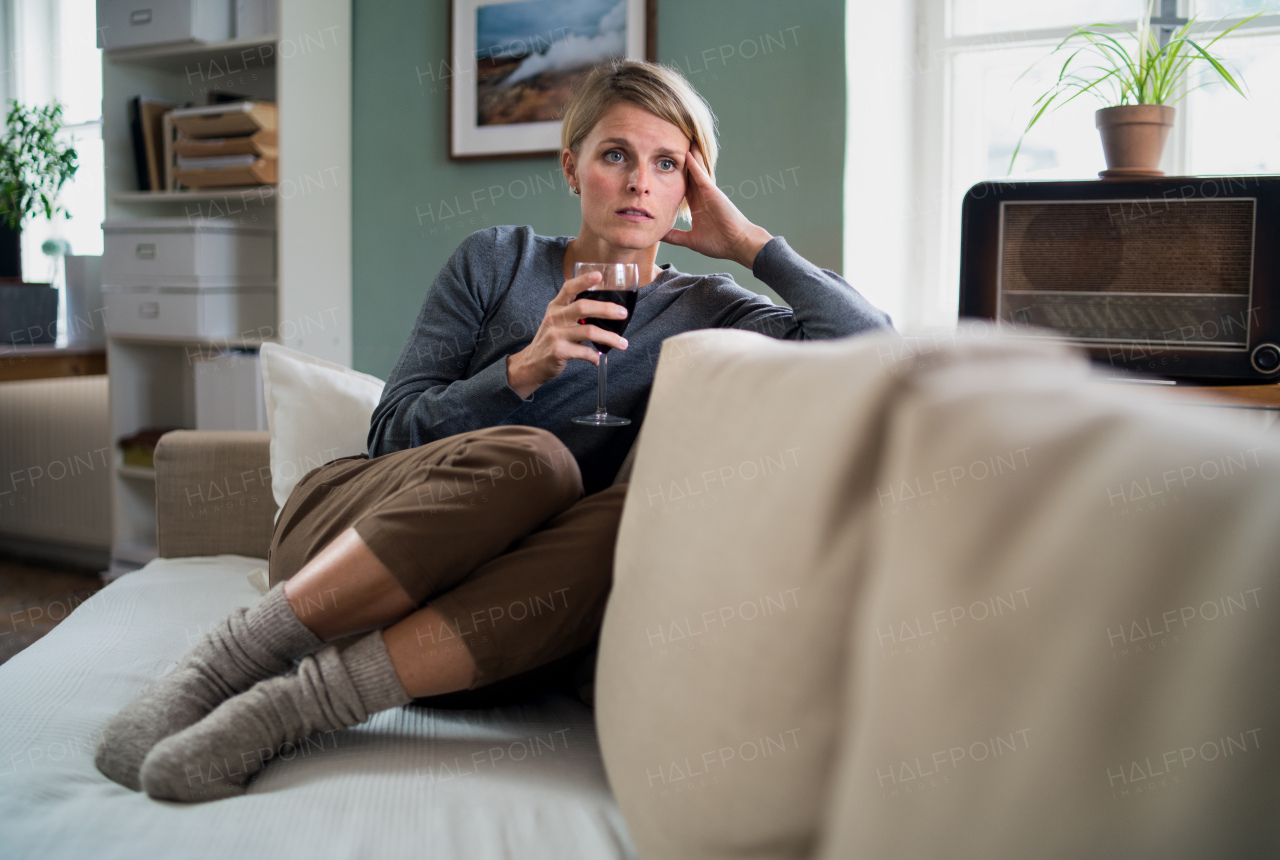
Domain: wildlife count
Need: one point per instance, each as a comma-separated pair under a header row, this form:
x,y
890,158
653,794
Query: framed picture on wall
x,y
514,65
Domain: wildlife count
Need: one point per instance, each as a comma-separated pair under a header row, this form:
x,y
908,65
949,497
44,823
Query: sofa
x,y
871,599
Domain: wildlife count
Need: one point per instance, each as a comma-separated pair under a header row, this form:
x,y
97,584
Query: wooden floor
x,y
35,597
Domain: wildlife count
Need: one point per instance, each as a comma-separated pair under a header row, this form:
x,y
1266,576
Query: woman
x,y
476,539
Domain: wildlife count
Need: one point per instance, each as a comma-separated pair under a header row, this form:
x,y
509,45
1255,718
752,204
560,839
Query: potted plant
x,y
1138,79
34,165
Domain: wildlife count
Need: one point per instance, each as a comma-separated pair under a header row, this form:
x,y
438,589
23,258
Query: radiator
x,y
56,461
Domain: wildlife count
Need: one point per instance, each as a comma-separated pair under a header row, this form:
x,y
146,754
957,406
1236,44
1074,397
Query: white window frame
x,y
922,282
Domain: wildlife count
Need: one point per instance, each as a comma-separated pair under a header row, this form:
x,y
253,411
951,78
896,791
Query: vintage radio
x,y
1177,277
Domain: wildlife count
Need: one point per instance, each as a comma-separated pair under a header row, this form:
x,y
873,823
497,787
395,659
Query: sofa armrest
x,y
213,493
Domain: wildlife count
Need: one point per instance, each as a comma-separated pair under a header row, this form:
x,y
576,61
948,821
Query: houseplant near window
x,y
34,166
1138,79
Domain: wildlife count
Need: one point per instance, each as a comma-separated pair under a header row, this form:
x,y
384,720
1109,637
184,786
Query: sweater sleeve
x,y
426,397
823,304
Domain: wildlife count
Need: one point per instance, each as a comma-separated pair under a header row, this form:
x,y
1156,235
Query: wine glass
x,y
618,284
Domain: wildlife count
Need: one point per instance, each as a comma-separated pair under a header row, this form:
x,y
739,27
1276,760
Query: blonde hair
x,y
660,90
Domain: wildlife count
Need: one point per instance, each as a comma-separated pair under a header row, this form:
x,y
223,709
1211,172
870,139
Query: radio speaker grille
x,y
1166,271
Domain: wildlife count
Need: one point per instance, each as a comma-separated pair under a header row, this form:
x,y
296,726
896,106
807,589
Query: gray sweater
x,y
488,300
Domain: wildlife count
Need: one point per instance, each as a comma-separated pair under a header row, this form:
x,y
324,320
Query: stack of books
x,y
140,448
224,144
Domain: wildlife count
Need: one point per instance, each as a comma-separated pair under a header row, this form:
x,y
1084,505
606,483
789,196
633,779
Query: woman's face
x,y
630,170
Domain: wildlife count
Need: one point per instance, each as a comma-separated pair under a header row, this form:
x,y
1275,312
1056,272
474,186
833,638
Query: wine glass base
x,y
598,420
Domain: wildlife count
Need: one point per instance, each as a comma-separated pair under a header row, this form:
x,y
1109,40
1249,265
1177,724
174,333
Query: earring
x,y
575,190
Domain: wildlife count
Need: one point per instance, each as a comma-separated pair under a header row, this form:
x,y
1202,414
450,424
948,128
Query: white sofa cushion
x,y
798,517
317,411
523,781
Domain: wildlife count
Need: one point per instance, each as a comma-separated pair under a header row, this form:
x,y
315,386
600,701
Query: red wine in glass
x,y
626,298
618,284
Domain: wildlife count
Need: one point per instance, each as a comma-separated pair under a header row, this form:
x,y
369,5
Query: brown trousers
x,y
491,529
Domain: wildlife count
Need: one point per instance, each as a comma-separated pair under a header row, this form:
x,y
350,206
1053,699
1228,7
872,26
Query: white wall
x,y
880,60
314,91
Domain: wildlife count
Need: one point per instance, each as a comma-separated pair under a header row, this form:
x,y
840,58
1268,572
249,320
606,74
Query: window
x,y
1228,134
52,53
955,65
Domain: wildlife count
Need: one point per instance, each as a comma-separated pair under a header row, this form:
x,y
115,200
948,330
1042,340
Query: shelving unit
x,y
306,70
170,57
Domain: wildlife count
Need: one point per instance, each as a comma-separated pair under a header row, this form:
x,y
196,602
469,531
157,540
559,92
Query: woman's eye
x,y
609,155
667,164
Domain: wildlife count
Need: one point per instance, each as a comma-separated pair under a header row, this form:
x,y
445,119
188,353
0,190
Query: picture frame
x,y
513,64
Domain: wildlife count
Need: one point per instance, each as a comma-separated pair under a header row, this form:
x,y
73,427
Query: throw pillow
x,y
317,411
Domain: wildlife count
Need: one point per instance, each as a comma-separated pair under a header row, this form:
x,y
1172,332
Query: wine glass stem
x,y
601,378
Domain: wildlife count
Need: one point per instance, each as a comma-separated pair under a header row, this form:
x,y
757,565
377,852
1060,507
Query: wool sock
x,y
331,690
249,645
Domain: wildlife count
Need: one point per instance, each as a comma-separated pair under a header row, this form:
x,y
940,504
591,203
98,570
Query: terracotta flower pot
x,y
1133,139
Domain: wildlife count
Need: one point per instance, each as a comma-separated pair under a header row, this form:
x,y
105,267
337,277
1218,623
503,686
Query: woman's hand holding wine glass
x,y
560,337
618,287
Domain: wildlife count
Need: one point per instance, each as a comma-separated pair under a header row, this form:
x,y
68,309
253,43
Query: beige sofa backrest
x,y
962,599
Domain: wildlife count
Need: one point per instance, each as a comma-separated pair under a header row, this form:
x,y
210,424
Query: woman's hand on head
x,y
719,229
560,337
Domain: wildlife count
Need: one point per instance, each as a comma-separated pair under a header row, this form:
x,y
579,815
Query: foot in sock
x,y
249,645
331,690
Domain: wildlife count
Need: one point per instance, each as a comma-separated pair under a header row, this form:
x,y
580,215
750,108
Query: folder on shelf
x,y
226,120
152,114
166,160
139,143
214,162
261,172
145,115
261,143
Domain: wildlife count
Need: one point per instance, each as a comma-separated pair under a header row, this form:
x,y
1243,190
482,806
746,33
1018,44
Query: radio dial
x,y
1266,358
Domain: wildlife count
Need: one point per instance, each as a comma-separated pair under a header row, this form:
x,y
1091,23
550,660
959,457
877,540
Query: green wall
x,y
772,72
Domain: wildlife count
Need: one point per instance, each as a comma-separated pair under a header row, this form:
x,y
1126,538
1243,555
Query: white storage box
x,y
132,23
183,313
229,391
255,18
181,252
